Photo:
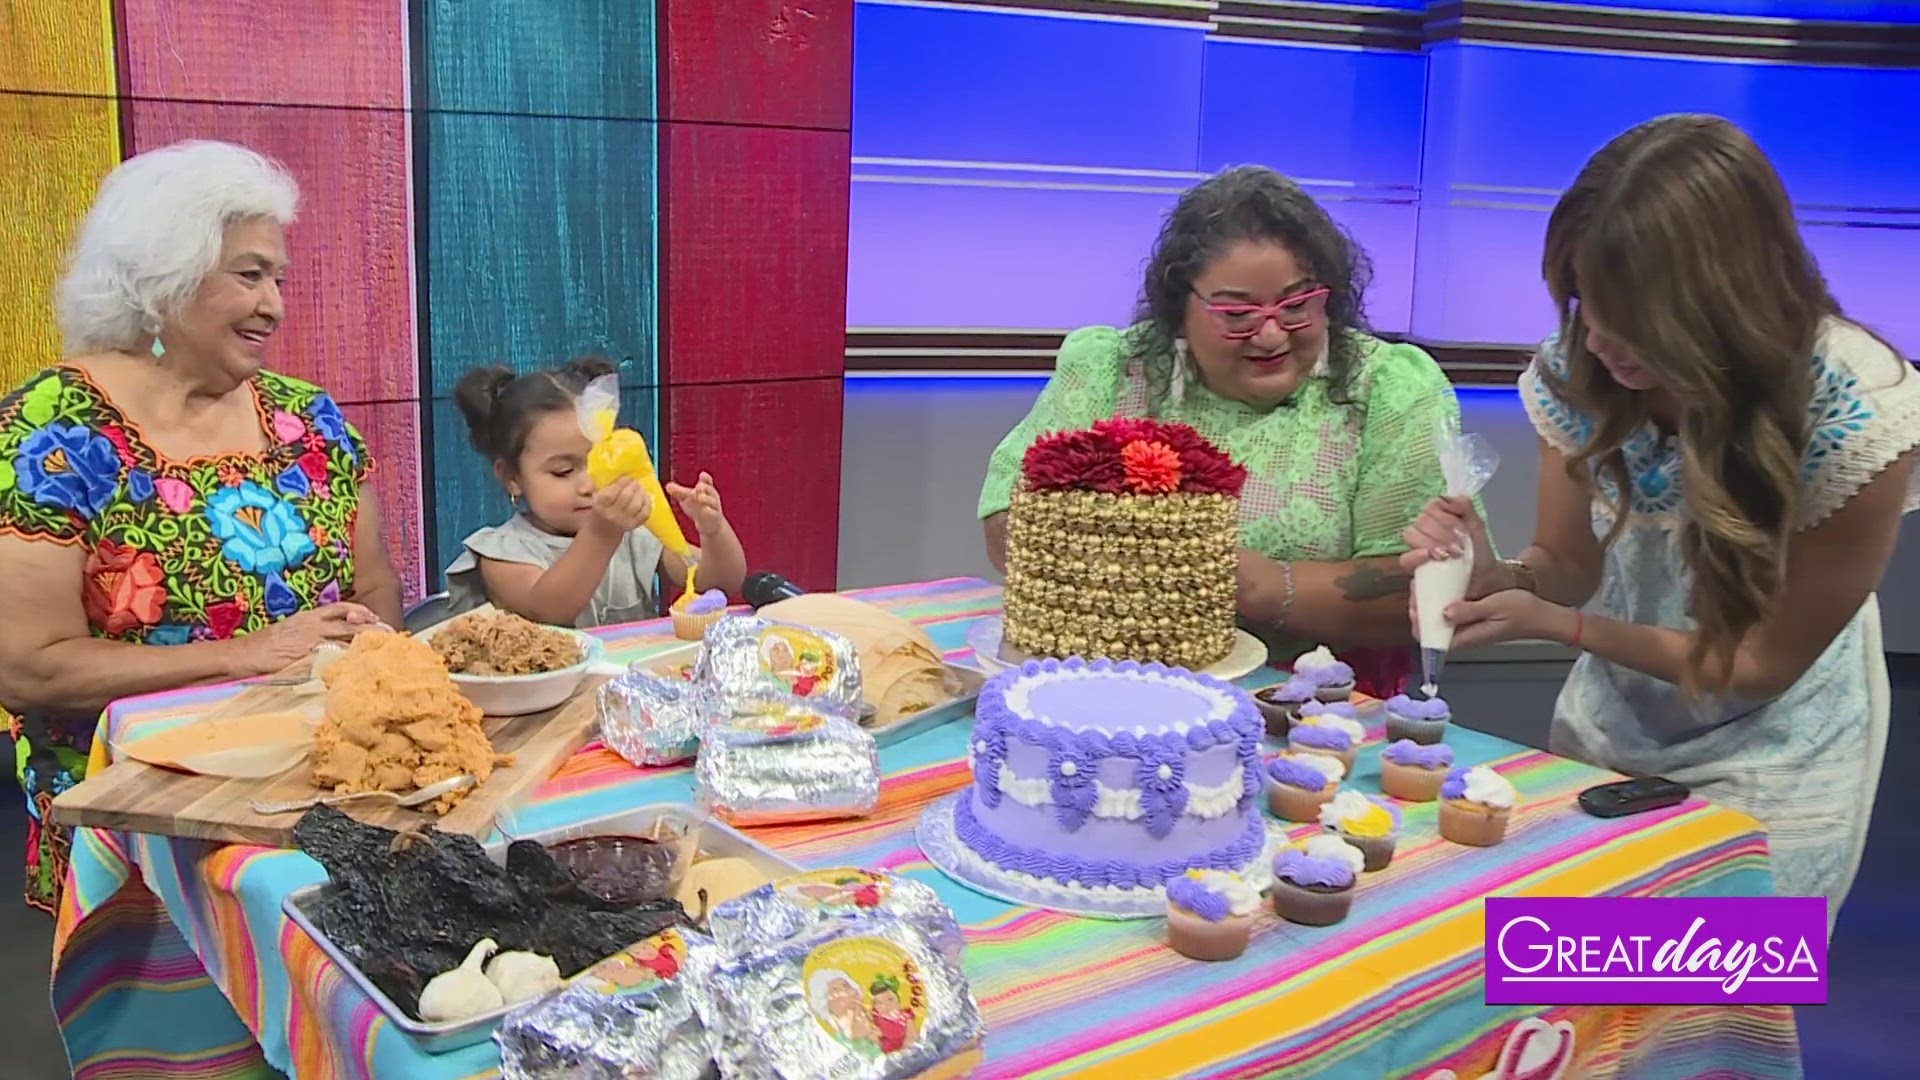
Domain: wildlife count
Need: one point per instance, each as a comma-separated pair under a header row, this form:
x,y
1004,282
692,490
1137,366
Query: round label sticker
x,y
840,887
640,967
867,993
801,661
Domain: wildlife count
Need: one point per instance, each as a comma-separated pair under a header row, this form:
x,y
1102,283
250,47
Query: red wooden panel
x,y
774,451
392,432
786,63
342,52
755,251
349,291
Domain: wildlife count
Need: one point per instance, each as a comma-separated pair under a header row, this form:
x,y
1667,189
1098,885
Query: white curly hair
x,y
154,234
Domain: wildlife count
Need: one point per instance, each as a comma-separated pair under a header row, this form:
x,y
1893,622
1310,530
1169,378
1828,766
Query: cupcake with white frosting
x,y
1371,825
1334,736
1332,678
1313,880
1298,785
1210,914
1475,804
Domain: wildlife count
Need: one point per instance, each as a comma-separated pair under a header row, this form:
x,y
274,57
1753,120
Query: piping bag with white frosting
x,y
1467,462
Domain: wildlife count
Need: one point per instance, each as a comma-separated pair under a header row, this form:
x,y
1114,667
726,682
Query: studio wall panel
x,y
583,58
347,53
392,432
57,47
774,451
756,253
349,322
800,57
539,243
57,149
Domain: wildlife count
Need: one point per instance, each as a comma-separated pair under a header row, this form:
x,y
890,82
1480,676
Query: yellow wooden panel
x,y
53,153
57,47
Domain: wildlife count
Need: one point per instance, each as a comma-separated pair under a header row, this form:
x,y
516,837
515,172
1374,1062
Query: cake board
x,y
1249,653
935,835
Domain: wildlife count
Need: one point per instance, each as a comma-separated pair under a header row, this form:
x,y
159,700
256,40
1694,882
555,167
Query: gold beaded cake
x,y
1121,544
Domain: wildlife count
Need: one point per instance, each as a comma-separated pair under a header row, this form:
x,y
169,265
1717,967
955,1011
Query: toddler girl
x,y
574,555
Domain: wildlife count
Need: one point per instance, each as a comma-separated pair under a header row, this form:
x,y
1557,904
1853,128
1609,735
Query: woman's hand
x,y
621,507
1512,615
1440,532
701,502
273,648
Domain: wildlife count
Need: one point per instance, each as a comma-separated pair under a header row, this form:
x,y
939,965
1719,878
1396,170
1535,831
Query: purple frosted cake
x,y
1112,775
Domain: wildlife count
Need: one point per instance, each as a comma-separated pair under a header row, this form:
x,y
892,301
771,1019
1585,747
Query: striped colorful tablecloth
x,y
173,958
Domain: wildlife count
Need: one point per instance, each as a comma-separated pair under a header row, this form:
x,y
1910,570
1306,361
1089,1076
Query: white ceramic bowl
x,y
518,695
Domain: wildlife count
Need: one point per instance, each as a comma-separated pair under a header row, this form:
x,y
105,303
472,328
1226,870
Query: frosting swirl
x,y
1308,772
1213,894
1328,732
1356,815
1481,785
1322,668
706,603
1325,861
1292,692
1412,754
1342,709
1430,709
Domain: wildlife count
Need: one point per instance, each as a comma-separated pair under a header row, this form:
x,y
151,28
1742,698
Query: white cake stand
x,y
1248,656
937,840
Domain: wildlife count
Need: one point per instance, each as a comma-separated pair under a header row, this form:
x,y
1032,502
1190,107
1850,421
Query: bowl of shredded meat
x,y
510,666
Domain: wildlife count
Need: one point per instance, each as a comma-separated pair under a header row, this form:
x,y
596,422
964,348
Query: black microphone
x,y
765,588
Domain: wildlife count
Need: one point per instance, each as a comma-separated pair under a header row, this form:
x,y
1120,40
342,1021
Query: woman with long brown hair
x,y
1725,460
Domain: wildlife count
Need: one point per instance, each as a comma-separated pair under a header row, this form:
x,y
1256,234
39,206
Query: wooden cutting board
x,y
136,797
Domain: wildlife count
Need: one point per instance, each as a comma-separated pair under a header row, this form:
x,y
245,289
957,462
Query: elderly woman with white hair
x,y
171,512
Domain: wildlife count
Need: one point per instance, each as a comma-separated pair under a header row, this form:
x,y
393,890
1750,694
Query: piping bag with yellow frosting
x,y
618,452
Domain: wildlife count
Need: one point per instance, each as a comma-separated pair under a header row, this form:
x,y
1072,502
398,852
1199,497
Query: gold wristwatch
x,y
1523,576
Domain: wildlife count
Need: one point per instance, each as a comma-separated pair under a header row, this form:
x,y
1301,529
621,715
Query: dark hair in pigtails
x,y
500,407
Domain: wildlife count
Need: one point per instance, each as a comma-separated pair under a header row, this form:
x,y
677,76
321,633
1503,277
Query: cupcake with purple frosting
x,y
1298,785
1417,717
1345,710
1313,881
1475,804
1210,914
1281,705
1335,736
1414,772
1331,677
692,615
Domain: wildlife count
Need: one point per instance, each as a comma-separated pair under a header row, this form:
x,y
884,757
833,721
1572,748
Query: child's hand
x,y
621,506
701,502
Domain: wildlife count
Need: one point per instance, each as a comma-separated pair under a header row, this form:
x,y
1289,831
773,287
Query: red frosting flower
x,y
124,589
1152,468
1074,461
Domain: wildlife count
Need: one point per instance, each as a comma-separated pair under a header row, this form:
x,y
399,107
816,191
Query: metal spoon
x,y
413,798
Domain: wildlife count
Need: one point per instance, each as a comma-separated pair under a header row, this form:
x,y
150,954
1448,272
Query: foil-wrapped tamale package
x,y
788,906
652,720
745,658
641,1014
780,759
858,999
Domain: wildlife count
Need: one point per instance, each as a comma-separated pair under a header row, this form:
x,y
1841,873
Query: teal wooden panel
x,y
466,495
577,58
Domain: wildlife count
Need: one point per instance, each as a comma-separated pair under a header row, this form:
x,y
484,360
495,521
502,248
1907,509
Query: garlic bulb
x,y
464,991
523,976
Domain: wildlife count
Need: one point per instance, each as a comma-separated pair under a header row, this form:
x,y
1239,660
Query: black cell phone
x,y
1635,796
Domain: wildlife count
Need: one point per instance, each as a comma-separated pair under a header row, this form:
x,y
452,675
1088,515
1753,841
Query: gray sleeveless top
x,y
625,594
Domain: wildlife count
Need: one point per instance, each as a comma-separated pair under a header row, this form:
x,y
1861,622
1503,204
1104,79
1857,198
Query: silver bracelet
x,y
1286,602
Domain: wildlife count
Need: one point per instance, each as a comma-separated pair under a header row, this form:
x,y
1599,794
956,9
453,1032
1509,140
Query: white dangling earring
x,y
1177,385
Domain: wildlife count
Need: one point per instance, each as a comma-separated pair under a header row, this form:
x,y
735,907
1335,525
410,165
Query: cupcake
x,y
1313,880
1335,736
1474,806
1417,717
1414,772
1332,679
1298,785
1345,710
1210,914
1371,825
692,615
1281,705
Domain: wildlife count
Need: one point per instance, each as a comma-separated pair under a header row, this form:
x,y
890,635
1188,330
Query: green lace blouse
x,y
1327,482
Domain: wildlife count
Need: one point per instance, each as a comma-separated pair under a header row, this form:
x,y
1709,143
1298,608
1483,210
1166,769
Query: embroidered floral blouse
x,y
180,551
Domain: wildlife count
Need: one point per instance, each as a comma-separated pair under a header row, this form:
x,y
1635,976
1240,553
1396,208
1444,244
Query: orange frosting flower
x,y
1151,467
